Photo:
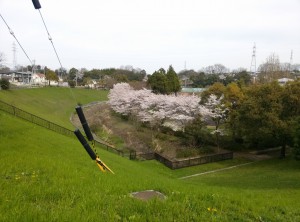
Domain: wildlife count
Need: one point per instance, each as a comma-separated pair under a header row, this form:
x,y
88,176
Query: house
x,y
92,84
39,79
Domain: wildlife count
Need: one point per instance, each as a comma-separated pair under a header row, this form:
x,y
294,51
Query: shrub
x,y
296,138
4,84
71,83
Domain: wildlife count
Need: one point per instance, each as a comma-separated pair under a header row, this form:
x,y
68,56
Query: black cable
x,y
12,33
49,37
37,6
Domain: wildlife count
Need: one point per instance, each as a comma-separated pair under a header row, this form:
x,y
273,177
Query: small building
x,y
283,81
92,84
21,78
192,90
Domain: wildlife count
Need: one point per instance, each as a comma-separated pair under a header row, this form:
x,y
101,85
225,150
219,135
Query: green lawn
x,y
52,103
45,176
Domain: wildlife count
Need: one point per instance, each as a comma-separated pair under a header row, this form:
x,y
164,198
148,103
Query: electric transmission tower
x,y
291,61
14,49
253,61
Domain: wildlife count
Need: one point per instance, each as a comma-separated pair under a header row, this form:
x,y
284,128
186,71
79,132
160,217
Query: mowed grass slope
x,y
52,103
45,176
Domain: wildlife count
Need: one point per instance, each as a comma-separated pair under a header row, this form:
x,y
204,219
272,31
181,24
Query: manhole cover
x,y
148,194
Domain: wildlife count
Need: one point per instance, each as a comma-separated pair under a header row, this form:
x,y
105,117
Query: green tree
x,y
72,73
4,84
196,133
296,139
121,77
243,78
262,118
291,111
131,75
94,74
173,83
233,98
217,89
51,76
158,81
199,80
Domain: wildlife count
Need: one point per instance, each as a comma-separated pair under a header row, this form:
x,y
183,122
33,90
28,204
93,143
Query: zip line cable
x,y
37,6
12,33
50,39
93,154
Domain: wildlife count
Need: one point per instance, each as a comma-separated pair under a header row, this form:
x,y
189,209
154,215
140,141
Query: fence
x,y
131,154
35,119
176,164
58,129
146,156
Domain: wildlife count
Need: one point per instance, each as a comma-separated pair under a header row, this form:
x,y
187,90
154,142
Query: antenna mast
x,y
253,61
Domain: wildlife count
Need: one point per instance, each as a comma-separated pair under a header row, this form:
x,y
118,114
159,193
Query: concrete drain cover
x,y
148,194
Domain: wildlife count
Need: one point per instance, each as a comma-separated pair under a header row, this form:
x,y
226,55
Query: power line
x,y
12,33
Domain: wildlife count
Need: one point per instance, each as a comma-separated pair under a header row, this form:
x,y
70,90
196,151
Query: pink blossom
x,y
172,111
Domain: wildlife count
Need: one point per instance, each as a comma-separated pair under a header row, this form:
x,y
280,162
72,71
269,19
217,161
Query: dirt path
x,y
253,158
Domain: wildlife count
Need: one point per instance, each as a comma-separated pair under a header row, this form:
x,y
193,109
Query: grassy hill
x,y
45,176
52,103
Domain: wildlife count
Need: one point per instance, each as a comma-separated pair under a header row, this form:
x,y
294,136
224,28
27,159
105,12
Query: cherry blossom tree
x,y
217,112
170,111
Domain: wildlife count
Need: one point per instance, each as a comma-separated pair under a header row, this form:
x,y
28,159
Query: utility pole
x,y
253,61
76,77
14,49
33,67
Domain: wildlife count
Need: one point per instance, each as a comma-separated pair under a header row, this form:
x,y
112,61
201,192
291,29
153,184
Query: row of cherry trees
x,y
170,111
258,116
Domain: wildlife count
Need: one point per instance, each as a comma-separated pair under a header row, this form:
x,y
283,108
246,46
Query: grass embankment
x,y
54,104
48,177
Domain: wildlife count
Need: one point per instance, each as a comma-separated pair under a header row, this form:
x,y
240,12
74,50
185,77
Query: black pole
x,y
84,123
36,4
85,144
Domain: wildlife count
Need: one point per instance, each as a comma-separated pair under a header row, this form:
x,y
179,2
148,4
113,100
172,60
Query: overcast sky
x,y
151,34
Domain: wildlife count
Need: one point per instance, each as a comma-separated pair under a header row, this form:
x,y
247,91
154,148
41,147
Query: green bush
x,y
4,84
296,138
71,83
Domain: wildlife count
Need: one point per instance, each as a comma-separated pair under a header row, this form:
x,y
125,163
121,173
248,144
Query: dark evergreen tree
x,y
158,82
173,83
164,83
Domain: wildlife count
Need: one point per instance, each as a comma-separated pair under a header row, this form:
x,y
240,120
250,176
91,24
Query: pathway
x,y
250,156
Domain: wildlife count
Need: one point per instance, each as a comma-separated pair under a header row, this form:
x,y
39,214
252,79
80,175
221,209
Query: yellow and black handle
x,y
102,166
